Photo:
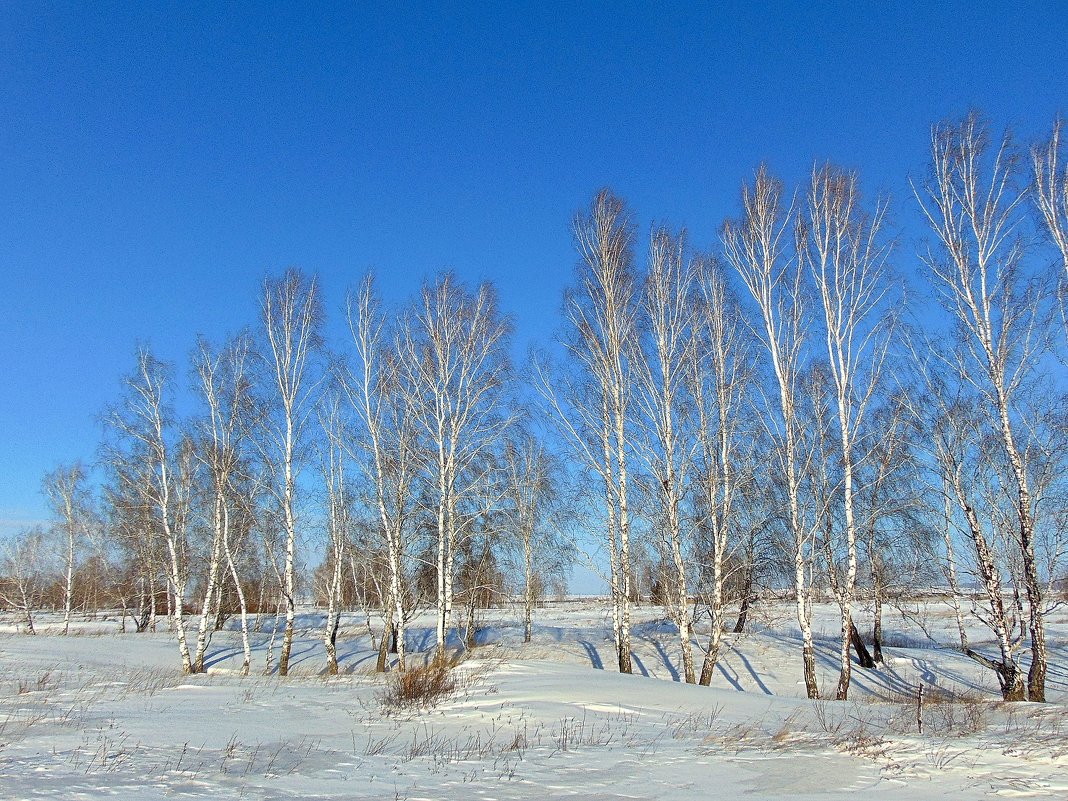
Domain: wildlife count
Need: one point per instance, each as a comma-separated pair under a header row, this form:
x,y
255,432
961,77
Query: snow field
x,y
110,715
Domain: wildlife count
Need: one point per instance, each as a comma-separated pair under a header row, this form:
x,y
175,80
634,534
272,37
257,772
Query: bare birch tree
x,y
660,365
972,204
389,438
129,525
719,377
891,506
143,426
844,252
226,385
758,248
955,430
23,574
68,494
338,518
455,352
592,409
532,475
292,317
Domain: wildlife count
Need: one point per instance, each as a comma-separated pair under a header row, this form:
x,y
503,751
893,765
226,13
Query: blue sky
x,y
156,160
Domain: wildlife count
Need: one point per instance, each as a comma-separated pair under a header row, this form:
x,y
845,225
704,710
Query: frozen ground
x,y
104,714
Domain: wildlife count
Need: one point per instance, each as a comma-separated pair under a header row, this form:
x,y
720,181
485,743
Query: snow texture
x,y
103,714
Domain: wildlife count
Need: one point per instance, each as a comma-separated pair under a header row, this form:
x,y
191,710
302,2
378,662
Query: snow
x,y
103,714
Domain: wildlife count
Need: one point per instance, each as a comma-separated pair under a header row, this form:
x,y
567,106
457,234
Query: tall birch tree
x,y
292,318
68,494
719,377
226,385
758,248
455,351
971,203
601,312
164,480
333,464
389,440
845,255
660,365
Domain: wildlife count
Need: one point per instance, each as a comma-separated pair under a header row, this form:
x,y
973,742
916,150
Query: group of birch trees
x,y
786,414
399,463
781,408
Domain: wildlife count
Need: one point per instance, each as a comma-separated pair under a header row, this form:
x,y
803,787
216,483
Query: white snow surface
x,y
103,714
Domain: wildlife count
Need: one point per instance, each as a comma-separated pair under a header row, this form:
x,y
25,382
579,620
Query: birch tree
x,y
758,248
23,574
455,351
667,315
890,504
389,440
292,317
532,475
971,204
846,259
591,407
129,524
338,518
68,494
719,377
226,385
956,431
143,426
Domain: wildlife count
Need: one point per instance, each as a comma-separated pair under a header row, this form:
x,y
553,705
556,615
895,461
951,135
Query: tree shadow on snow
x,y
665,658
591,652
756,676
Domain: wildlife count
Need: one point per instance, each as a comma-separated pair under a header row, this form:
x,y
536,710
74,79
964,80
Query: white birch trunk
x,y
210,587
242,603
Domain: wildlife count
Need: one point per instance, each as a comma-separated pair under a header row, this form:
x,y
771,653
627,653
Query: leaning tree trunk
x,y
242,603
214,563
747,598
333,614
1007,670
383,645
863,657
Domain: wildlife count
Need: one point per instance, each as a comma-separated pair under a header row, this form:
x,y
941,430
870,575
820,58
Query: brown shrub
x,y
419,687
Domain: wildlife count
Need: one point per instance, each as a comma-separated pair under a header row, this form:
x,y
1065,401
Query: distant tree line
x,y
780,414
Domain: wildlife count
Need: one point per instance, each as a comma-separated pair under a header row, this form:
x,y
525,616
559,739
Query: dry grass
x,y
419,687
945,713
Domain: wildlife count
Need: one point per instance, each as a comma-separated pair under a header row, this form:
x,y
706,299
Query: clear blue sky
x,y
157,159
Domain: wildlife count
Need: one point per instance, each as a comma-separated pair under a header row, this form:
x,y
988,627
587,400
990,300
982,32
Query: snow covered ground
x,y
103,714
